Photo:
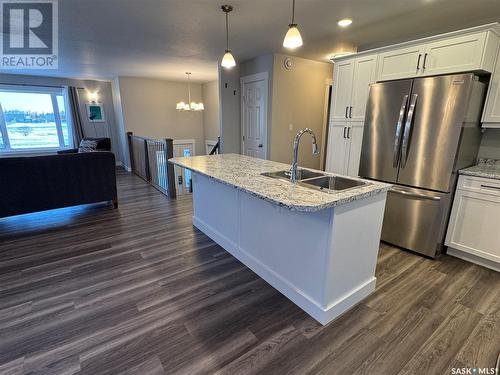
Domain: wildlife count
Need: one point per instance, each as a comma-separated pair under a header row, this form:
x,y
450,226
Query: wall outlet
x,y
290,127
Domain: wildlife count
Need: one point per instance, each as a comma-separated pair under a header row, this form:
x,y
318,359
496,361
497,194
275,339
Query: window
x,y
33,118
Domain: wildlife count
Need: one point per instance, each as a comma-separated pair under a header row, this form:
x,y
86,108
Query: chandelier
x,y
189,106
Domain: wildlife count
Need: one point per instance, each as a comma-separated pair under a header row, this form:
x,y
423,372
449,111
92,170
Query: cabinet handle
x,y
346,110
418,61
425,59
344,131
350,112
348,133
490,187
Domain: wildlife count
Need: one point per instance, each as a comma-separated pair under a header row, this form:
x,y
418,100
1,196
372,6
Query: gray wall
x,y
211,123
490,144
298,99
105,96
229,91
148,107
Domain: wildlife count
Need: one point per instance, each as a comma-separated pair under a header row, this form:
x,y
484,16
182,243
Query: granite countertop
x,y
488,168
244,173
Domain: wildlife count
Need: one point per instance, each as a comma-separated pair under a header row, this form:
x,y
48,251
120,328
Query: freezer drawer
x,y
415,219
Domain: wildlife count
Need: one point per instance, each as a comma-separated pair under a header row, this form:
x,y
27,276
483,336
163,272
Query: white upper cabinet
x,y
491,113
449,53
400,63
351,84
342,89
365,69
459,54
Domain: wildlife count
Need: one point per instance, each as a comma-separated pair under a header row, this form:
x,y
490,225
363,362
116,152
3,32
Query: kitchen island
x,y
317,247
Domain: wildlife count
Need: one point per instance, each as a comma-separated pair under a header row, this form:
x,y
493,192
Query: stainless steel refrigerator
x,y
418,133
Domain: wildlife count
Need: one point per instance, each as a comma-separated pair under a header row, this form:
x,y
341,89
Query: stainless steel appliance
x,y
418,134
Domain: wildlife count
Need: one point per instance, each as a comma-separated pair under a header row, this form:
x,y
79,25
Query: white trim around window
x,y
21,114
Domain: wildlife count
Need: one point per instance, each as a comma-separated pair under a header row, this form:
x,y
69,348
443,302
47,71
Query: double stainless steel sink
x,y
318,180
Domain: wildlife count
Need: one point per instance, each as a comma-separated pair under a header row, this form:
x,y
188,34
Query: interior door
x,y
254,118
385,114
342,89
432,131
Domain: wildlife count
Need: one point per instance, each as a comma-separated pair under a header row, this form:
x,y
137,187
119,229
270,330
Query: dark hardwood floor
x,y
138,290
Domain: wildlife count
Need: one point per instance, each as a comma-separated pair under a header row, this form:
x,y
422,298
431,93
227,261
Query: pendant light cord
x,y
189,90
227,33
293,12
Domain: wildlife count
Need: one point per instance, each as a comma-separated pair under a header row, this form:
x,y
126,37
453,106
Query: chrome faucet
x,y
315,151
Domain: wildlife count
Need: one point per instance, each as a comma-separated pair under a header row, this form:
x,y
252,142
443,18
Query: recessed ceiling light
x,y
344,22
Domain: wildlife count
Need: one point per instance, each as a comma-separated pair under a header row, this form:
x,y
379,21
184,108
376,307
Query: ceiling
x,y
165,38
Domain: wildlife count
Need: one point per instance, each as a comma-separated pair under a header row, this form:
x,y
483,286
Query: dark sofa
x,y
30,184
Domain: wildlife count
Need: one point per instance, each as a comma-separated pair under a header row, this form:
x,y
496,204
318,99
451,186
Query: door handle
x,y
350,112
261,145
415,195
346,111
490,187
425,60
397,135
348,133
344,131
418,61
407,131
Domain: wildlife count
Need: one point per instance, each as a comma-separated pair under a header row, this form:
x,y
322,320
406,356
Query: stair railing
x,y
149,160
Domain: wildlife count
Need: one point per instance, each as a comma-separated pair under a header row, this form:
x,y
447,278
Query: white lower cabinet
x,y
355,141
473,231
344,148
336,149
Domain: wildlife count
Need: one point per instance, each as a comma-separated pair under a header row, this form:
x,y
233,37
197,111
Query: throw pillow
x,y
87,146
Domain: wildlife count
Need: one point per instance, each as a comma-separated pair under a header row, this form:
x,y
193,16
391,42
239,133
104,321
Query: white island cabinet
x,y
317,248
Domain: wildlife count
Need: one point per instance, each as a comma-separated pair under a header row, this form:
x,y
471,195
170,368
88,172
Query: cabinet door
x,y
460,54
492,107
364,75
473,225
342,89
400,63
355,140
336,152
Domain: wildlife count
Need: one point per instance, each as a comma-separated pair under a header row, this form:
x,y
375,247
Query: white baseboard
x,y
473,259
313,308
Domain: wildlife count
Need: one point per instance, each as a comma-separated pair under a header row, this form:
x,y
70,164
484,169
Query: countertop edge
x,y
300,208
492,176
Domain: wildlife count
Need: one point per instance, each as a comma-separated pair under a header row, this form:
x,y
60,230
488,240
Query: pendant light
x,y
228,59
293,39
189,106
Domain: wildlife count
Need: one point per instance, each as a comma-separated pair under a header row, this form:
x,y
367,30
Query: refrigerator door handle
x,y
407,131
397,136
414,195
